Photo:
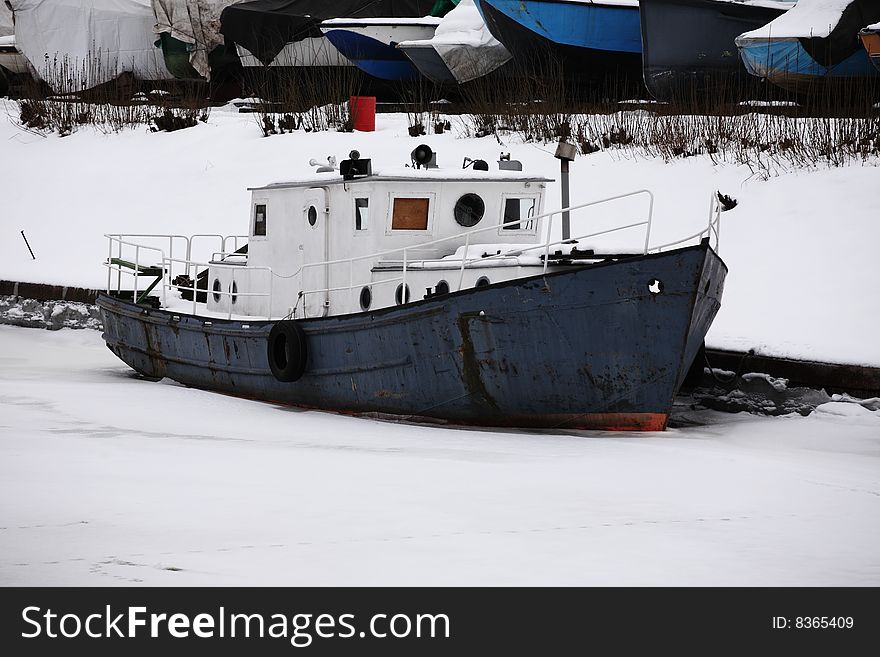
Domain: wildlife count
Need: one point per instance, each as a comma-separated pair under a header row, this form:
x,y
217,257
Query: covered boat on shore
x,y
589,41
84,43
813,46
870,37
689,50
189,35
280,41
423,294
371,43
461,50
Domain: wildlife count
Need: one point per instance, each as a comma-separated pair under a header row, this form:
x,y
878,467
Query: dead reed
x,y
831,124
72,93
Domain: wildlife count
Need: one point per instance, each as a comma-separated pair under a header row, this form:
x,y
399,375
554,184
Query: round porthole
x,y
469,209
217,288
234,290
655,286
312,215
401,296
482,281
441,288
366,298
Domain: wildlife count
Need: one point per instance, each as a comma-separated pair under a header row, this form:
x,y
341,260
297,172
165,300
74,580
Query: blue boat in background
x,y
592,40
812,46
371,43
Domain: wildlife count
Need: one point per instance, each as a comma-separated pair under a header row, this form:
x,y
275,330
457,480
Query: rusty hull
x,y
587,347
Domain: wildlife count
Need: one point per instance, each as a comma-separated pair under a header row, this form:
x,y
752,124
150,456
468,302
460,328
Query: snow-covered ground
x,y
801,246
108,479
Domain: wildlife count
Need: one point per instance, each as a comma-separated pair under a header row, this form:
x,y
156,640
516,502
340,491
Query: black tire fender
x,y
287,351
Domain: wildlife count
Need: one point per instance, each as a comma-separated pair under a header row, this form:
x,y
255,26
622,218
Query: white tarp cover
x,y
465,45
5,20
196,22
808,18
108,36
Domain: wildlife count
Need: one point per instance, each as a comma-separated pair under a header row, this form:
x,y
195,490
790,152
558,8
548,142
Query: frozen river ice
x,y
109,479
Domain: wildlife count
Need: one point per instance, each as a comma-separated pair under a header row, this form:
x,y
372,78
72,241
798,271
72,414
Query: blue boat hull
x,y
787,64
592,42
373,57
590,347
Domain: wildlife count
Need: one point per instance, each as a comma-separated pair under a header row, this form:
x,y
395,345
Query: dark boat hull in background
x,y
590,347
688,49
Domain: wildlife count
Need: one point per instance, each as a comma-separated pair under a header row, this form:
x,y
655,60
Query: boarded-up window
x,y
410,214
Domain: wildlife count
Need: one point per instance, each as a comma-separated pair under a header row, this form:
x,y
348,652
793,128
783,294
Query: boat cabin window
x,y
361,213
468,211
519,213
259,219
410,214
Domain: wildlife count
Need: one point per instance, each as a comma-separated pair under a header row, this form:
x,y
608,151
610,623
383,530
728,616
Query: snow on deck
x,y
800,246
107,479
410,174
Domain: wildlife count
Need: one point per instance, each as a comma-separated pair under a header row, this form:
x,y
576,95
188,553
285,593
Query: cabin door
x,y
315,248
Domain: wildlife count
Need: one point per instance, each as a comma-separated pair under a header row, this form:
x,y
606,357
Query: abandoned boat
x,y
813,46
418,293
688,48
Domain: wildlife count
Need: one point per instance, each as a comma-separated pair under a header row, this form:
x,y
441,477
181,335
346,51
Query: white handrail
x,y
135,272
714,226
196,290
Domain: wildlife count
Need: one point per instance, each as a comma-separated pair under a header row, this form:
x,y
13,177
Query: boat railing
x,y
712,229
542,250
231,290
125,251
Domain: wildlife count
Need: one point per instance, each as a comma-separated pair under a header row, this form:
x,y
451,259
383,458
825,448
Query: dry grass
x,y
830,125
73,94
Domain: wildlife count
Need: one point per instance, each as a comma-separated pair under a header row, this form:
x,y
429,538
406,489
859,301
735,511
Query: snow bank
x,y
808,18
847,410
52,315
